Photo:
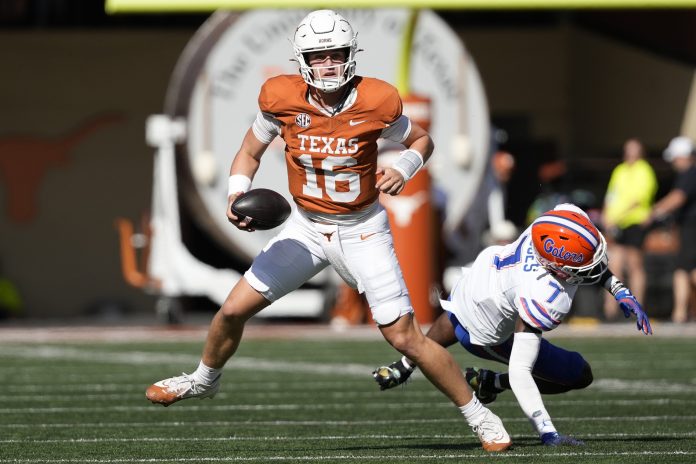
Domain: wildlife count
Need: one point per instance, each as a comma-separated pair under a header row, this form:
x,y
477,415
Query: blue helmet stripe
x,y
587,234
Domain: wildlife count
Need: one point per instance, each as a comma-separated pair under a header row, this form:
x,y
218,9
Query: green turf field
x,y
314,401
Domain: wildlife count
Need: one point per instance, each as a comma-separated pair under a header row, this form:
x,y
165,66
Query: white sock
x,y
542,423
407,364
206,375
473,411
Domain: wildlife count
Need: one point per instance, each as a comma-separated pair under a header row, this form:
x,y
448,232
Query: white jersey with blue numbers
x,y
502,283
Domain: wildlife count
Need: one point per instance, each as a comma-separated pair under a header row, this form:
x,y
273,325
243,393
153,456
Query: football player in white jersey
x,y
509,296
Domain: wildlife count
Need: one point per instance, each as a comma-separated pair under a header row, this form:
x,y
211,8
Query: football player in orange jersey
x,y
330,120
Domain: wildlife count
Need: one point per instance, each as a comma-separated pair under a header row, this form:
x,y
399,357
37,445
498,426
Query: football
x,y
266,208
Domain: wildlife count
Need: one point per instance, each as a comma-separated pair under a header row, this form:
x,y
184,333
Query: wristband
x,y
238,183
408,163
614,285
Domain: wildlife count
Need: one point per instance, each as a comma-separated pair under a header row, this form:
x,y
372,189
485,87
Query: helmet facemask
x,y
325,30
312,74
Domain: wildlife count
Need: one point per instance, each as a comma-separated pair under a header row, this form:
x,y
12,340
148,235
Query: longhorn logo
x,y
25,160
403,208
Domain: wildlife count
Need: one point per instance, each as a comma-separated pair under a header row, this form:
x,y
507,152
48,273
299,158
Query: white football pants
x,y
362,254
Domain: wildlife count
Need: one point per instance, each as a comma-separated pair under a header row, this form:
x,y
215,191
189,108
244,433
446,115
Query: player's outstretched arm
x,y
525,349
627,302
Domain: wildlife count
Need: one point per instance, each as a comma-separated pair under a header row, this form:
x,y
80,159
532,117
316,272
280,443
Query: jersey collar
x,y
340,107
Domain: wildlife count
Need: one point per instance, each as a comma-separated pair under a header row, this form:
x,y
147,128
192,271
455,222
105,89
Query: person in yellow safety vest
x,y
627,204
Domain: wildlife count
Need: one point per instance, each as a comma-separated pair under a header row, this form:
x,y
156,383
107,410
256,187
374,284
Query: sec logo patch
x,y
303,120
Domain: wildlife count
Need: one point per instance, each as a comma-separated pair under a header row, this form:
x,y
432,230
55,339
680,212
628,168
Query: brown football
x,y
266,208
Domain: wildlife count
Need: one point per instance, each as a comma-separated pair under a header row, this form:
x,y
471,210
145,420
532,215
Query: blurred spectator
x,y
627,203
681,201
499,228
485,220
554,181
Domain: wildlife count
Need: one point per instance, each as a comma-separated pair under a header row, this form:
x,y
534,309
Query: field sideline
x,y
303,393
196,330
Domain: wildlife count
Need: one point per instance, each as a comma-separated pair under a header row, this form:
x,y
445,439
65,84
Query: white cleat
x,y
171,390
492,433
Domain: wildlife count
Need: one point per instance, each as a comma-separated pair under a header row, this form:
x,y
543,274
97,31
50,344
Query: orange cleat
x,y
171,390
492,433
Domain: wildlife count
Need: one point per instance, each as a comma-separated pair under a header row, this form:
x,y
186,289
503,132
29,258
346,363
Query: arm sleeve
x,y
265,127
388,109
525,349
397,131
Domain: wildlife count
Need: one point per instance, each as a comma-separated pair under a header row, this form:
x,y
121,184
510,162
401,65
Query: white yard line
x,y
85,384
284,423
325,438
81,332
186,360
344,457
235,394
657,386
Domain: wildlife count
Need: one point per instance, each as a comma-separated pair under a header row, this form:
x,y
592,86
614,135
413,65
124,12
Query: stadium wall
x,y
60,195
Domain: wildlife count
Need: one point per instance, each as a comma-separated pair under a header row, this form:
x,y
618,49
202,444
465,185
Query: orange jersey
x,y
331,160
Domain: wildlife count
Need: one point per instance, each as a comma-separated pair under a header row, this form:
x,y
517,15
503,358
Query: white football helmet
x,y
325,30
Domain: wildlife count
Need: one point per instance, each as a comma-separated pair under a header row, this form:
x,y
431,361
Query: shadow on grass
x,y
419,446
629,439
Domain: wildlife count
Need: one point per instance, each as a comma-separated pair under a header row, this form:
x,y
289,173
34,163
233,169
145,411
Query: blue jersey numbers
x,y
555,292
530,261
523,254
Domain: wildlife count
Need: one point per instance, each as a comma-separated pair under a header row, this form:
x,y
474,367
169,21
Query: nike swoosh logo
x,y
366,236
355,123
